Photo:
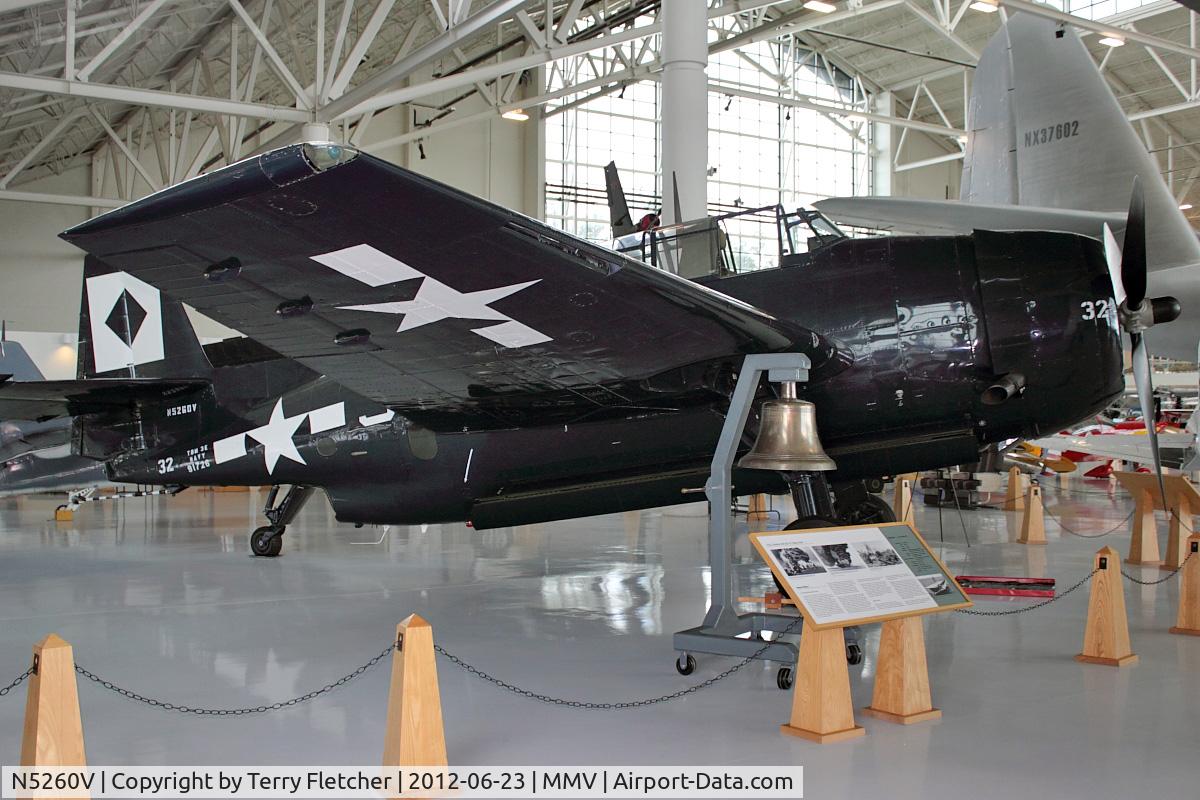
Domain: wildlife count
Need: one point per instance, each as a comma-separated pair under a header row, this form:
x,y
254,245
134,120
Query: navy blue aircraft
x,y
422,356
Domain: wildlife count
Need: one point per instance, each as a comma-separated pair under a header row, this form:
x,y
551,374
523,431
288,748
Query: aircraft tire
x,y
266,541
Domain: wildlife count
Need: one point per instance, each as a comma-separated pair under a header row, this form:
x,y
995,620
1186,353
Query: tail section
x,y
618,209
1047,132
128,329
15,361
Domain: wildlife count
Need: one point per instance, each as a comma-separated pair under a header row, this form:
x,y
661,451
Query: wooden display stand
x,y
1143,544
1106,638
901,675
1187,622
821,707
1033,521
759,507
1185,504
53,735
1014,499
415,736
902,500
64,515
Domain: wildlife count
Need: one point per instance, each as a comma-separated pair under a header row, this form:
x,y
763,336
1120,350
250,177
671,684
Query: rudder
x,y
129,329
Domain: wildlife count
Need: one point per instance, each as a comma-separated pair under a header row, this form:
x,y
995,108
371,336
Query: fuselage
x,y
925,324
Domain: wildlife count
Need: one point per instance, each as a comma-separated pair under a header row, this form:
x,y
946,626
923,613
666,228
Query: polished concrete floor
x,y
161,596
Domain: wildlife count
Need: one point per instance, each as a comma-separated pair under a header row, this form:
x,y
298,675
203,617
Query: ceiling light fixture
x,y
986,6
1185,206
517,114
1112,40
820,6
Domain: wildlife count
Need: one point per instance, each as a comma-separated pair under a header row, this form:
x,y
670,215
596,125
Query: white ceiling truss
x,y
156,91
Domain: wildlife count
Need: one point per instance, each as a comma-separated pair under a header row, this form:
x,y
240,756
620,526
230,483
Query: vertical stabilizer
x,y
618,208
128,329
1071,144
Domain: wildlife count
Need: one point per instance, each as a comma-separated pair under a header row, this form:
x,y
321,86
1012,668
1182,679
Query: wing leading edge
x,y
431,301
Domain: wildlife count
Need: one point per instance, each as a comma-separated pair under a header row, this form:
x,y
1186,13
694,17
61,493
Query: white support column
x,y
684,108
881,146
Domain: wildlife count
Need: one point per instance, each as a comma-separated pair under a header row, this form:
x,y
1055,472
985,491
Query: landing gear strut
x,y
267,541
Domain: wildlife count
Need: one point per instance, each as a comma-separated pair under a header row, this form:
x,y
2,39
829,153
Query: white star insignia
x,y
435,301
276,437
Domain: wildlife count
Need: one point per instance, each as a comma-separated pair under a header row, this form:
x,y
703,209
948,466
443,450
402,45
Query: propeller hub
x,y
1165,309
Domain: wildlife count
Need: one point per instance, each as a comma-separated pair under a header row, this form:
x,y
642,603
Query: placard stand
x,y
1185,503
902,502
1187,622
821,707
1033,521
902,675
1106,638
1143,544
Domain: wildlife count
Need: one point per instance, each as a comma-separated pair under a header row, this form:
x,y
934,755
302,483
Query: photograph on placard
x,y
798,561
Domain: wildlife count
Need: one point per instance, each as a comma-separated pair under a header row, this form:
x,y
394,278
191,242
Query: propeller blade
x,y
1145,390
1133,258
1112,254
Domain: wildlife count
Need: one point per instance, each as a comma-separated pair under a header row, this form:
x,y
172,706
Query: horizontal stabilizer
x,y
906,215
42,400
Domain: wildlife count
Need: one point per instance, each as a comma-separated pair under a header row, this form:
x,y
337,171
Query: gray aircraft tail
x,y
618,208
1046,132
128,329
15,361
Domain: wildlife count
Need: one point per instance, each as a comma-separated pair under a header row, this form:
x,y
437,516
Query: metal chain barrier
x,y
1011,611
235,712
1163,579
558,701
17,682
1067,529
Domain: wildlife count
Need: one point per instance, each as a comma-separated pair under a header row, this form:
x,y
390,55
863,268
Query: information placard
x,y
859,574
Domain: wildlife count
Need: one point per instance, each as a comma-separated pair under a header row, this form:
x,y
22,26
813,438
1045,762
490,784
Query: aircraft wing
x,y
907,215
1116,446
431,301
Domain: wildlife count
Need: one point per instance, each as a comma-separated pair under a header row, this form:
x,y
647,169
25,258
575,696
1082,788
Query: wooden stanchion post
x,y
53,735
902,500
1033,521
1143,544
1187,622
1014,499
1179,529
1106,638
901,691
415,736
821,707
757,508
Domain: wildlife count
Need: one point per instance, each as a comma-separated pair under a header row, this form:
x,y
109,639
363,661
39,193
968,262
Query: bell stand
x,y
718,634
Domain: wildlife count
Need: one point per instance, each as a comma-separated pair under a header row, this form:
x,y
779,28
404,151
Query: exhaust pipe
x,y
1005,388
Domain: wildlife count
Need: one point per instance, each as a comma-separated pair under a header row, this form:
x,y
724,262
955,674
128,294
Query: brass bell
x,y
787,437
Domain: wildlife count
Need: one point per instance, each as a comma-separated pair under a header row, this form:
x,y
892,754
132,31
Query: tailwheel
x,y
783,678
854,654
685,664
267,541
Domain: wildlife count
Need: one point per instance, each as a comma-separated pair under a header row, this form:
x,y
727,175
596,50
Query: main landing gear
x,y
267,541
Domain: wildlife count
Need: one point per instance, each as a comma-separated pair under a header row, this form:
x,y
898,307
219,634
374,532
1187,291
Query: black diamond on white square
x,y
126,326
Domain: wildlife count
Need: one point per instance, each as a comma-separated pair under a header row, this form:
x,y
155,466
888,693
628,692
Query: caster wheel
x,y
783,678
685,667
854,654
266,541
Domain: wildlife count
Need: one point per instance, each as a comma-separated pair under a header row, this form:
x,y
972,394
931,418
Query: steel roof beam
x,y
149,97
